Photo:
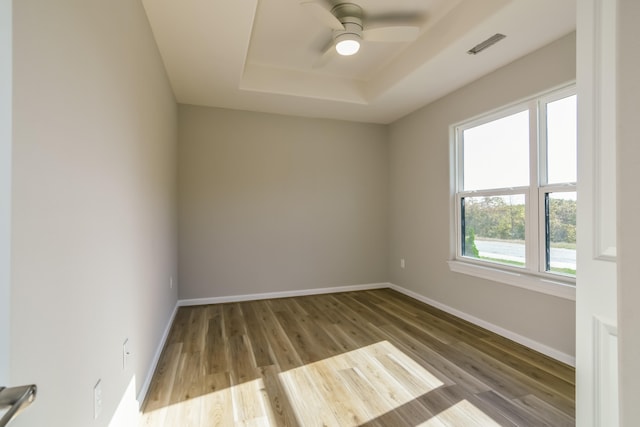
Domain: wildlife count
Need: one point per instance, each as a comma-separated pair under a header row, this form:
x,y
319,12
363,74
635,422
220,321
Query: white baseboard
x,y
156,358
283,294
520,339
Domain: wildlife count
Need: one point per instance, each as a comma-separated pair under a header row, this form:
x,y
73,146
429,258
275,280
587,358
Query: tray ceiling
x,y
259,55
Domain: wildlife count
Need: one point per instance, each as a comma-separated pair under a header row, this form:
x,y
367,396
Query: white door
x,y
596,287
628,166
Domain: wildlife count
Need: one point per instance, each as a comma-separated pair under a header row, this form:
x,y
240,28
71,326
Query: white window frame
x,y
533,276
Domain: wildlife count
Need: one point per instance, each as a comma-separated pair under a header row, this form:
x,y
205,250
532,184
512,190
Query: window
x,y
515,191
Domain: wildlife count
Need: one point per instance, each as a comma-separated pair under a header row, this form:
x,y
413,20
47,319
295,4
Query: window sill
x,y
522,280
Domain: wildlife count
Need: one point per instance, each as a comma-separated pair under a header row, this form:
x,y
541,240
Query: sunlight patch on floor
x,y
465,412
355,387
239,405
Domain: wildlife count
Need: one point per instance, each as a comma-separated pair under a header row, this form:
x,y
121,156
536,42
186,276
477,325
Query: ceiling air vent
x,y
485,44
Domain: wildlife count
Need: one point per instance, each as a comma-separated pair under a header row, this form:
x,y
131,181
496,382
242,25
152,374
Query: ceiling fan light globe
x,y
347,47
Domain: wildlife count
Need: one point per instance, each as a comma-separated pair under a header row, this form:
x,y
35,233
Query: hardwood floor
x,y
371,358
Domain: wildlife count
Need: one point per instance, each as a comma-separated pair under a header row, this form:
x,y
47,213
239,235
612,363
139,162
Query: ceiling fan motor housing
x,y
350,15
350,29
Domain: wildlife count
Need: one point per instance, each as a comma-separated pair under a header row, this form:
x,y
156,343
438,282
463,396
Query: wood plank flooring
x,y
370,358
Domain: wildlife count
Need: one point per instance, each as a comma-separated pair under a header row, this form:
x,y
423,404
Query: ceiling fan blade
x,y
322,12
328,54
395,33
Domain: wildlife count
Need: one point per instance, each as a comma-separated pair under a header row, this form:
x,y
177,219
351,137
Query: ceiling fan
x,y
351,27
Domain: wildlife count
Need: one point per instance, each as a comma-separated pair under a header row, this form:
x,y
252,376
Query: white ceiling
x,y
259,55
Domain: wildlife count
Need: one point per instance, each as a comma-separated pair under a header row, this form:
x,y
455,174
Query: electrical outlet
x,y
97,400
125,353
171,282
401,262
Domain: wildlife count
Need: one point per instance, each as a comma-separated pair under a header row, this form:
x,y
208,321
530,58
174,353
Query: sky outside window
x,y
562,156
496,154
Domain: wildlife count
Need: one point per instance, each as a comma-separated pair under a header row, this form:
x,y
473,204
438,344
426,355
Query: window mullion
x,y
459,235
494,192
459,185
542,229
460,159
541,197
531,219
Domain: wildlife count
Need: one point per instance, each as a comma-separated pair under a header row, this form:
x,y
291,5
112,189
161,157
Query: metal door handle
x,y
16,399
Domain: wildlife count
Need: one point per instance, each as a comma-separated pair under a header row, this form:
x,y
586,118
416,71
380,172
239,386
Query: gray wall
x,y
6,63
93,221
273,203
420,202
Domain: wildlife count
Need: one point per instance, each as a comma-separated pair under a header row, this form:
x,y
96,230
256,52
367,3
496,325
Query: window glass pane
x,y
494,229
496,154
561,232
562,141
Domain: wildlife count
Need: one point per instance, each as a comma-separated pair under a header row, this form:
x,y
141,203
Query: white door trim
x,y
596,282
